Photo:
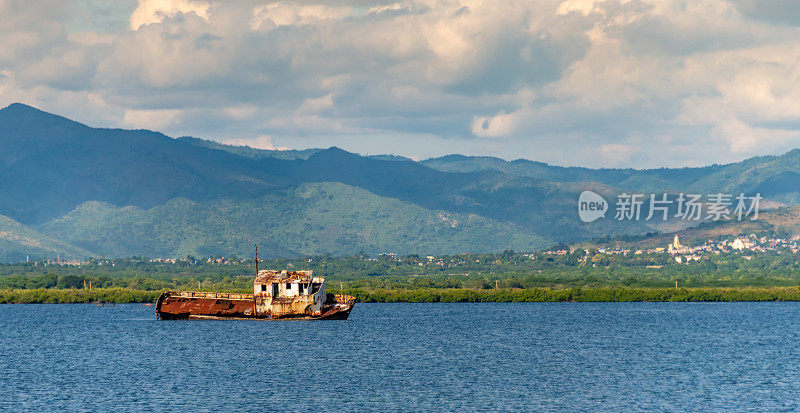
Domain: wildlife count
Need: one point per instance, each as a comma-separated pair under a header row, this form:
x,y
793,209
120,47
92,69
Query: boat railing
x,y
202,294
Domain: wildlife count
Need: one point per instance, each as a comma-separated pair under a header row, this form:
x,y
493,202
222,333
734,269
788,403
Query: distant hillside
x,y
323,218
18,243
775,177
84,190
646,180
249,152
49,165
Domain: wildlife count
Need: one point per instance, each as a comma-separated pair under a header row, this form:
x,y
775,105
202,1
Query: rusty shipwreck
x,y
276,295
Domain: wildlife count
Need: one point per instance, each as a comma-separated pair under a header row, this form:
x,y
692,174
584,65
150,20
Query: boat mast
x,y
256,245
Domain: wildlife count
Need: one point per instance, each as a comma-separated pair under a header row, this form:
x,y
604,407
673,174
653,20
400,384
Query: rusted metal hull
x,y
338,307
183,305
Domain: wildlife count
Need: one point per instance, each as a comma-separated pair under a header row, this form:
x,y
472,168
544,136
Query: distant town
x,y
683,253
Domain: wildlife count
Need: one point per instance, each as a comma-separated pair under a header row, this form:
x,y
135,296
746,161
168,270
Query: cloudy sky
x,y
626,83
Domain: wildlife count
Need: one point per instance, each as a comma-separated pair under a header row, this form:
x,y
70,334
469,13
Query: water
x,y
516,356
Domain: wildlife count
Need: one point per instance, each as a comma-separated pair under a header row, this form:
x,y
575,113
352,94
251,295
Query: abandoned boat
x,y
276,295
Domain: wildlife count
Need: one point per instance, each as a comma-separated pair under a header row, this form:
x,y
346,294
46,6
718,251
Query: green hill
x,y
18,243
320,218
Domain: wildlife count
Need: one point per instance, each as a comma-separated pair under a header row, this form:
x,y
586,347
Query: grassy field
x,y
452,295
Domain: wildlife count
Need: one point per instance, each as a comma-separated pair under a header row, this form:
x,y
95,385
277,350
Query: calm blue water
x,y
520,356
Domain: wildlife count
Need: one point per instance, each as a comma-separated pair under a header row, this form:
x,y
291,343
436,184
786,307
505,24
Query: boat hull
x,y
187,305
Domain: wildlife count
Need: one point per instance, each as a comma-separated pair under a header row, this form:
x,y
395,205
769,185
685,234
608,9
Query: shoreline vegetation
x,y
76,296
583,294
447,295
491,277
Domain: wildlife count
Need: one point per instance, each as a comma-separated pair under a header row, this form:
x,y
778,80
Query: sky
x,y
577,82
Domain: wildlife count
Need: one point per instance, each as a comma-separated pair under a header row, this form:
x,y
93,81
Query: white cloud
x,y
288,13
577,81
618,155
150,119
259,142
316,104
497,126
585,7
155,11
743,138
90,38
241,112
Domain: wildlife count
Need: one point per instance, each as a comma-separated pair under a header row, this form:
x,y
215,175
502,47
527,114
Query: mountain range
x,y
76,191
